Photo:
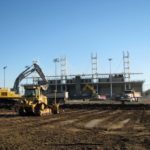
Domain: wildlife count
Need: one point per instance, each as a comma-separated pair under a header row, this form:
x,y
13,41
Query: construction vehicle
x,y
33,100
132,95
8,96
6,93
89,92
35,103
33,68
129,95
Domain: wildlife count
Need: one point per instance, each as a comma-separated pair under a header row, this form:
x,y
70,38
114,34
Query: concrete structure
x,y
75,84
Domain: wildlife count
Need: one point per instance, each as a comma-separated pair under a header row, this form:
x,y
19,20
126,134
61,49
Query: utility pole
x,y
56,60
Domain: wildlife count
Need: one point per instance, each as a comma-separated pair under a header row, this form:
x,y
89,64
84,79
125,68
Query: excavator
x,y
33,101
8,98
91,91
7,95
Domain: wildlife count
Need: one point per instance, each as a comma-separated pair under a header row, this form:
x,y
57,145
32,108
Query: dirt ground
x,y
76,129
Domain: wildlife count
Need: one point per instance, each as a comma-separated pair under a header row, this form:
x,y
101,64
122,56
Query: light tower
x,y
126,65
63,67
56,60
94,70
94,64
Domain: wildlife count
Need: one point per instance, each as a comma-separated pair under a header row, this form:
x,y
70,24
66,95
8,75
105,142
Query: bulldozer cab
x,y
32,91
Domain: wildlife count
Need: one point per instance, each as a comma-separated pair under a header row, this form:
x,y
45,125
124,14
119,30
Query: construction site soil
x,y
77,129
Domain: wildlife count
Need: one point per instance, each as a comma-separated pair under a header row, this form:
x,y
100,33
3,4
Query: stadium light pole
x,y
4,68
56,60
110,59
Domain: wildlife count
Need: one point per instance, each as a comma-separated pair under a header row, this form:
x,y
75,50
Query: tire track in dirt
x,y
31,122
93,120
119,122
65,119
144,122
29,119
67,122
135,120
144,116
104,122
81,118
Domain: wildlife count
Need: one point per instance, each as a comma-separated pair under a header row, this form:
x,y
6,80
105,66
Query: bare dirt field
x,y
76,129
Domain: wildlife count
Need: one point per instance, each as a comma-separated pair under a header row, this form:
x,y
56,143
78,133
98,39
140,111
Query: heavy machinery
x,y
35,103
33,100
6,93
27,72
131,95
89,92
8,96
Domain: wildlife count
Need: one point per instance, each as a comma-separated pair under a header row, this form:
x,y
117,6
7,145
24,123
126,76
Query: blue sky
x,y
45,29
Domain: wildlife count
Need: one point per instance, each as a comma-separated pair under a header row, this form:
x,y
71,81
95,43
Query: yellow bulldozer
x,y
35,103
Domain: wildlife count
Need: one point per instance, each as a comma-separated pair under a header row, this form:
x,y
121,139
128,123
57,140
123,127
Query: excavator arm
x,y
27,72
40,72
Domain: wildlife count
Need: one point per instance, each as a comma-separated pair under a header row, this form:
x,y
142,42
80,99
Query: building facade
x,y
103,84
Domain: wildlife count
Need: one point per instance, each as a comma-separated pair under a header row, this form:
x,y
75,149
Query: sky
x,y
41,30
